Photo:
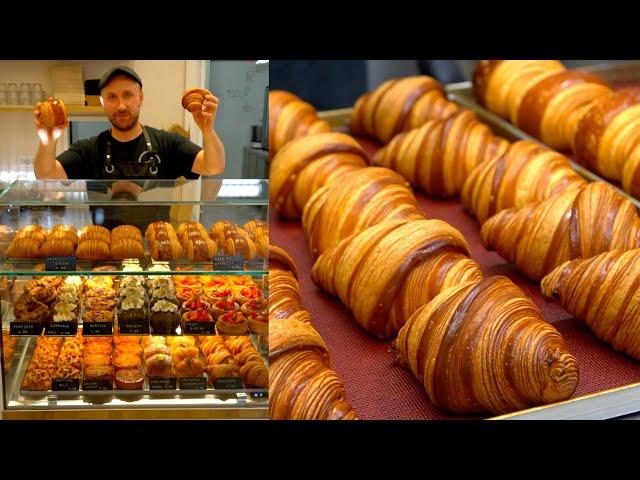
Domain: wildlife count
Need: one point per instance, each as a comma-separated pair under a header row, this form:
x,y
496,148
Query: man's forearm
x,y
213,158
45,165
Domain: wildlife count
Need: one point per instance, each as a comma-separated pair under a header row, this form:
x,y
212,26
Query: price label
x,y
199,328
102,384
134,327
25,329
162,383
228,262
228,383
65,384
192,383
59,264
60,329
97,328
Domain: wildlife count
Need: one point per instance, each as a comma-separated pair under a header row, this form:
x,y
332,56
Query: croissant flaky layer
x,y
604,291
398,105
439,155
524,174
361,199
579,223
290,118
483,346
306,164
387,271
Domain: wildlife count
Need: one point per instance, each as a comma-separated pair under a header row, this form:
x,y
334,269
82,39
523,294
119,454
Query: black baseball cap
x,y
119,70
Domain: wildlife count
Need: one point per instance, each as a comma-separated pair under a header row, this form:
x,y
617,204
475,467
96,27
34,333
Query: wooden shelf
x,y
72,110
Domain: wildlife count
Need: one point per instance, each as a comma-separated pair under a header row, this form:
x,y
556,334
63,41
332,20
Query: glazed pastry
x,y
67,228
98,372
24,248
158,365
308,163
390,270
438,156
240,245
63,235
484,346
196,316
164,317
290,118
127,361
201,249
42,293
248,293
93,250
255,305
36,235
253,225
217,230
398,105
220,307
26,309
258,322
195,303
166,250
579,223
220,294
365,198
524,174
302,385
603,291
96,359
126,231
232,323
95,235
129,379
126,248
53,113
185,293
193,99
191,227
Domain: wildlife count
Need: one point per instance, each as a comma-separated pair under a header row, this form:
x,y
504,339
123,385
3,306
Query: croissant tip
x,y
563,377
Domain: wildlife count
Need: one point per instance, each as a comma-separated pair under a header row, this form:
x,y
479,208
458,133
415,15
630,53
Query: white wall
x,y
163,84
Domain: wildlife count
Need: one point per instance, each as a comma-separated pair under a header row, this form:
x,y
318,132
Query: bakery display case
x,y
429,199
134,300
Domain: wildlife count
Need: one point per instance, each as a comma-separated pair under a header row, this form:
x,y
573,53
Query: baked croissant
x,y
126,231
290,118
484,346
388,271
125,247
308,163
524,174
57,248
284,289
361,199
24,248
579,223
539,96
439,155
199,249
398,105
302,385
604,291
93,250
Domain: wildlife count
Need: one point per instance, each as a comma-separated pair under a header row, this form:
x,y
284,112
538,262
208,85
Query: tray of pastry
x,y
130,366
617,76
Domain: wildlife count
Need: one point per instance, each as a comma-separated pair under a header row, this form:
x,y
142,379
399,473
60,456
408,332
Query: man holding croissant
x,y
129,150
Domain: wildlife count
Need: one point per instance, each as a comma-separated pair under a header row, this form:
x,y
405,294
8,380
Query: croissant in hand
x,y
579,223
484,346
361,199
524,174
438,156
398,105
603,291
306,164
290,118
388,271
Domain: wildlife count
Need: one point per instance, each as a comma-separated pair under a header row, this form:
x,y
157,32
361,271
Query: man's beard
x,y
124,124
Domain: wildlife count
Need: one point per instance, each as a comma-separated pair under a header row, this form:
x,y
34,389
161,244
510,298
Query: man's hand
x,y
48,136
206,118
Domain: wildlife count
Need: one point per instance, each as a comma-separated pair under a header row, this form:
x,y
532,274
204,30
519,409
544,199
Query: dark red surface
x,y
379,389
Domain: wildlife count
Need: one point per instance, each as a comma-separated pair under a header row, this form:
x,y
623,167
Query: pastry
x,y
132,308
93,250
102,292
166,249
158,365
247,293
98,316
308,163
126,231
484,346
199,249
195,303
102,281
232,323
438,156
42,293
126,248
24,248
95,235
63,235
193,99
241,246
98,303
129,379
98,372
127,361
64,312
220,307
26,309
164,317
96,359
151,339
257,304
37,380
196,316
258,322
53,113
189,367
289,118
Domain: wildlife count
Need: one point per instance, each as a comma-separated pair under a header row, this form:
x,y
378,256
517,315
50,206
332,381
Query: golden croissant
x,y
524,174
302,385
483,346
361,199
539,96
386,272
398,105
604,291
290,118
306,164
439,155
579,223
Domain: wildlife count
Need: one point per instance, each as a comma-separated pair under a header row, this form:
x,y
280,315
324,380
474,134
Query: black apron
x,y
146,166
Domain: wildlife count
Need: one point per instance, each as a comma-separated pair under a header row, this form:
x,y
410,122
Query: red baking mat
x,y
379,389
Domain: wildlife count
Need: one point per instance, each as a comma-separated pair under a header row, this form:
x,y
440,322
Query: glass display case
x,y
134,299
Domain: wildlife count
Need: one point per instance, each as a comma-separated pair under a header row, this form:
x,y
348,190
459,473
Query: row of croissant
x,y
476,344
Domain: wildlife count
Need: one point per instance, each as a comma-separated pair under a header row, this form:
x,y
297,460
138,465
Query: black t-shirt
x,y
86,159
